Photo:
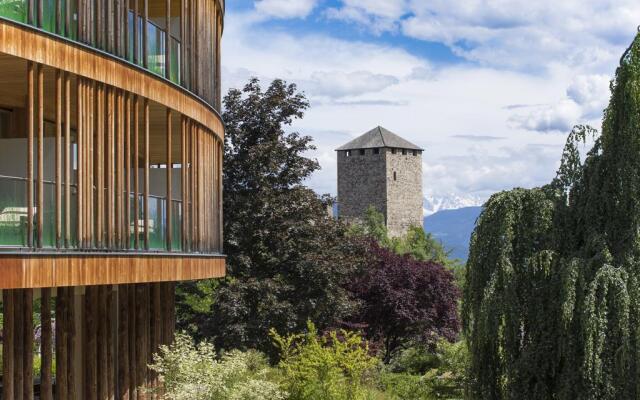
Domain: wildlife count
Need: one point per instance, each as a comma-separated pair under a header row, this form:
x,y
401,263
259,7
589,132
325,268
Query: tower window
x,y
348,153
395,177
361,152
404,152
376,151
415,152
393,151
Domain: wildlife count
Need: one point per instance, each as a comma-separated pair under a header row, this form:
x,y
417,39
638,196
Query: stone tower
x,y
381,169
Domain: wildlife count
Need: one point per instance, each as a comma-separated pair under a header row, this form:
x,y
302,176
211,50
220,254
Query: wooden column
x,y
100,167
123,342
133,360
73,344
8,338
102,342
46,388
18,350
169,180
110,169
28,344
142,331
145,40
62,350
118,171
80,155
167,41
183,186
30,121
146,173
111,341
90,350
156,326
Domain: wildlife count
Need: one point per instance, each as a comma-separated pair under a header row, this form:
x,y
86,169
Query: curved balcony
x,y
178,40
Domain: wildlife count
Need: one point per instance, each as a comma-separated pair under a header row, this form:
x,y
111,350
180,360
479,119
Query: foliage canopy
x,y
552,296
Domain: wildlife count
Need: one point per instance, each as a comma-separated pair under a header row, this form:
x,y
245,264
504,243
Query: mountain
x,y
433,204
453,228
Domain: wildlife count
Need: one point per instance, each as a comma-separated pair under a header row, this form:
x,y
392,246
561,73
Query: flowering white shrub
x,y
194,372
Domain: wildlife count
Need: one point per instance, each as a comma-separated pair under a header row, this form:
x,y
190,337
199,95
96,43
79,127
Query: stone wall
x,y
404,190
361,183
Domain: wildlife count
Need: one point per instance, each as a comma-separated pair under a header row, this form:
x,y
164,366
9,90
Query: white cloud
x,y
549,118
341,84
591,92
285,8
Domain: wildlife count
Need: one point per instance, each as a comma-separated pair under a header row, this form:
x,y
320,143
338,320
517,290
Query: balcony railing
x,y
14,218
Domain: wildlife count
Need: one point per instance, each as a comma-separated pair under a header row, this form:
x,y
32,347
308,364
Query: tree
x,y
405,301
288,261
551,302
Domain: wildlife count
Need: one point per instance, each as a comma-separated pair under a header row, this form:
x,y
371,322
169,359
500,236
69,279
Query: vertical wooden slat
x,y
145,39
62,358
169,179
100,167
118,170
30,134
146,173
110,168
127,154
136,172
183,168
67,160
59,205
155,327
46,388
28,343
40,160
80,167
8,338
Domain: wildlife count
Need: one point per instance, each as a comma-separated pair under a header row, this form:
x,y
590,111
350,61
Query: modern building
x,y
382,170
110,186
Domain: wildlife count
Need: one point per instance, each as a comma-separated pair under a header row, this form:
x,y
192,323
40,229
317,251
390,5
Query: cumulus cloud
x,y
341,84
591,92
285,8
553,118
378,16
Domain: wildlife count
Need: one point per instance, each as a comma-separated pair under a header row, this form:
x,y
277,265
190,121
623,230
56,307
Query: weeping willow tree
x,y
552,298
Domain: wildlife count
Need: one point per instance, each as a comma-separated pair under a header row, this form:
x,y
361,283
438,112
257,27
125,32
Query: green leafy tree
x,y
551,307
287,259
333,366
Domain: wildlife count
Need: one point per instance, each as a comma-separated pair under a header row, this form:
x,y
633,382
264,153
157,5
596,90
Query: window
x,y
415,152
395,177
393,151
404,152
348,153
361,152
376,151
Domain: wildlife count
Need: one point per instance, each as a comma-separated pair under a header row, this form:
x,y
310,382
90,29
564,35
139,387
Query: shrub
x,y
193,372
334,366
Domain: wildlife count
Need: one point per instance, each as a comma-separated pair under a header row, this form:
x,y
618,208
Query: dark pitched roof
x,y
379,137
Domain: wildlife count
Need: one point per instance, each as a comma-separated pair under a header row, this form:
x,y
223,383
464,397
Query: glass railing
x,y
14,217
156,49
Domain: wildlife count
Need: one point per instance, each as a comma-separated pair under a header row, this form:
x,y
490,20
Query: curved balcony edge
x,y
35,270
37,45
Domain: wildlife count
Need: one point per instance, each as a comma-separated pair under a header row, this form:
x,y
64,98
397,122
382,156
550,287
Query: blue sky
x,y
489,88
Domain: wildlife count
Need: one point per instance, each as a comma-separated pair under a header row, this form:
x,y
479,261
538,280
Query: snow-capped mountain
x,y
433,204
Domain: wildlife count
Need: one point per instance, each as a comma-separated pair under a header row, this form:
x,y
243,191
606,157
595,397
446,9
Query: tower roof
x,y
379,137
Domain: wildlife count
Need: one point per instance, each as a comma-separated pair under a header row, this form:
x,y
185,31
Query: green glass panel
x,y
13,212
157,223
176,226
155,49
14,9
49,216
130,44
49,15
175,61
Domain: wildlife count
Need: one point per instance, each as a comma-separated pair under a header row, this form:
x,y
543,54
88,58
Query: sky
x,y
490,89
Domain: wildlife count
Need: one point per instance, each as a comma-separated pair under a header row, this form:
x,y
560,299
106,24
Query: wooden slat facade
x,y
110,224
